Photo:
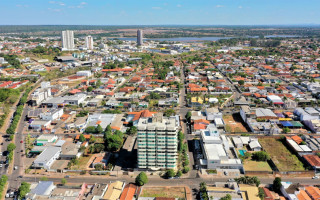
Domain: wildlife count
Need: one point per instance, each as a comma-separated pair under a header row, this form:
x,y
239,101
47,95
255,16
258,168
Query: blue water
x,y
242,152
190,39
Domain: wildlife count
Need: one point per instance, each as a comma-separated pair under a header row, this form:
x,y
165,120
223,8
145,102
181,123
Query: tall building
x,y
89,42
157,142
139,37
67,40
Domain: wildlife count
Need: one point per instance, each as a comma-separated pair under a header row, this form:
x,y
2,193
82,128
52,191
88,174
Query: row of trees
x,y
3,182
248,180
183,151
10,149
18,113
23,190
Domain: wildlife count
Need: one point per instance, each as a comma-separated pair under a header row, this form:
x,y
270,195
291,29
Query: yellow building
x,y
114,190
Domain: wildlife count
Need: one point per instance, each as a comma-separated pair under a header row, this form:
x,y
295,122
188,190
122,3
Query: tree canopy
x,y
141,179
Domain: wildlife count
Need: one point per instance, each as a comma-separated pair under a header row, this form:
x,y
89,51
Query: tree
x,y
82,138
260,156
92,139
132,130
185,169
99,129
277,184
227,197
89,89
63,181
169,112
98,167
261,193
170,173
188,115
286,130
108,129
141,179
241,82
179,173
11,147
23,190
98,147
90,129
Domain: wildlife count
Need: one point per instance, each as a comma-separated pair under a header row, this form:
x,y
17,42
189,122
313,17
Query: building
x,y
139,37
89,42
47,157
41,94
157,142
52,114
84,73
67,40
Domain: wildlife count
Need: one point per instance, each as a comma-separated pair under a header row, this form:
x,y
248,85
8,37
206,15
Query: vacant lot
x,y
169,192
280,155
234,123
250,165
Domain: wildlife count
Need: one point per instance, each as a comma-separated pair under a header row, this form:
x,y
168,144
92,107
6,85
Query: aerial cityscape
x,y
156,100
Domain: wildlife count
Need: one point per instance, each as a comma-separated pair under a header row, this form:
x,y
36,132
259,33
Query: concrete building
x,y
47,157
52,114
89,42
67,40
139,37
157,142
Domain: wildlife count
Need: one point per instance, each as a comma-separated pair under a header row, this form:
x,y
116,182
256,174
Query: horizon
x,y
160,12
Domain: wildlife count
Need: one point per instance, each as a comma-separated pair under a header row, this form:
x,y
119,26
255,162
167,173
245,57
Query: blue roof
x,y
42,187
286,124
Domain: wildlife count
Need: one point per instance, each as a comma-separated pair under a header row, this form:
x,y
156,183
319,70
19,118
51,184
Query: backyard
x,y
234,123
280,155
250,165
168,192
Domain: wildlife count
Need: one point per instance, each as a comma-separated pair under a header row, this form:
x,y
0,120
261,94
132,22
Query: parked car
x,y
315,177
21,141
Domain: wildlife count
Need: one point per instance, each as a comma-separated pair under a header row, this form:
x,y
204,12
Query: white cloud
x,y
83,3
25,6
179,5
219,6
54,10
57,2
240,7
156,8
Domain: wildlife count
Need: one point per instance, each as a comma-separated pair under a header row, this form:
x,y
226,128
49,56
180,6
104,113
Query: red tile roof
x,y
313,160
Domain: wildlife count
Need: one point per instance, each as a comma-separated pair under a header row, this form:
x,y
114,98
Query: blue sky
x,y
154,12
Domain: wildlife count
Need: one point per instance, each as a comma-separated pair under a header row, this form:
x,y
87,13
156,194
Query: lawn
x,y
83,162
168,192
234,123
281,156
250,165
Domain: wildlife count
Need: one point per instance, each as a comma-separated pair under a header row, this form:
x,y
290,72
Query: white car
x,y
0,165
315,177
0,153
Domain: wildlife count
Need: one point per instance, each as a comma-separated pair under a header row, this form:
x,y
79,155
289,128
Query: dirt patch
x,y
234,123
168,192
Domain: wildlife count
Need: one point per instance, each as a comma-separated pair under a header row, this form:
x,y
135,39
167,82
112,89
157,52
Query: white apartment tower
x,y
67,40
89,42
139,37
157,142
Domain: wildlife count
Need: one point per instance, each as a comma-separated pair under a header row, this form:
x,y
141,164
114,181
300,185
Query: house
x,y
313,161
51,114
255,145
114,190
39,125
86,73
47,157
213,113
129,192
135,116
44,139
42,189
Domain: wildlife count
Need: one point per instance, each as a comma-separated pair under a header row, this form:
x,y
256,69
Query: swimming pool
x,y
242,152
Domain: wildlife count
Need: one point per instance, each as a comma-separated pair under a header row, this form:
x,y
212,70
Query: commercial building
x,y
157,142
67,40
89,42
139,37
47,157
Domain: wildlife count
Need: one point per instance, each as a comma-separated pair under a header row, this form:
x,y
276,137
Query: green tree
x,y
89,89
92,139
261,193
108,129
286,130
141,179
170,173
11,147
227,197
132,130
90,129
260,156
179,173
82,138
185,169
23,190
277,184
98,167
99,129
188,115
169,112
63,181
241,82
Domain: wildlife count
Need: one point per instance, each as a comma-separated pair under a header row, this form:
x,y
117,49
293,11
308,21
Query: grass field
x,y
281,156
83,162
250,165
169,192
234,123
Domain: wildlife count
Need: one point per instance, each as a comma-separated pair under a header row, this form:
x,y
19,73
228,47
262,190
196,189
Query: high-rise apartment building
x,y
157,142
67,40
139,37
89,42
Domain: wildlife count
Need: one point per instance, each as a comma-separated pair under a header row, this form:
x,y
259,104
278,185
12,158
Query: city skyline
x,y
159,12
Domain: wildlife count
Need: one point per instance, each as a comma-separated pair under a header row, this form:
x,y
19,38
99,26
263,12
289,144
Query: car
x,y
19,176
15,167
67,176
315,177
231,180
21,141
0,165
0,153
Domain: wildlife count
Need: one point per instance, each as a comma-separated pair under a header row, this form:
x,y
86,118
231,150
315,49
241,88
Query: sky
x,y
159,12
